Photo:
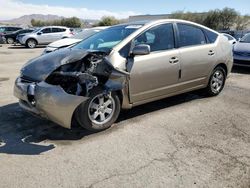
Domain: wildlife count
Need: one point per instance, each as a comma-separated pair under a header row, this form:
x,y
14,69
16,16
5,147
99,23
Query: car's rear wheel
x,y
10,40
216,81
31,43
100,111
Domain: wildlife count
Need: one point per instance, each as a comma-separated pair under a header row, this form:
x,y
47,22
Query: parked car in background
x,y
121,67
6,30
230,38
241,51
85,33
44,35
11,37
237,34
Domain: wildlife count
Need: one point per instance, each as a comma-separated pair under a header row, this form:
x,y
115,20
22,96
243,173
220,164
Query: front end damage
x,y
55,91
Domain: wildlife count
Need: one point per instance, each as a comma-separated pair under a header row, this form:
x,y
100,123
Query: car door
x,y
197,55
44,36
155,74
57,33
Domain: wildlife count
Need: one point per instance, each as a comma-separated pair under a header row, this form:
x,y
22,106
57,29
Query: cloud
x,y
14,8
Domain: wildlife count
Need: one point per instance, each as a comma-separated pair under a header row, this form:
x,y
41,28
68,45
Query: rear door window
x,y
190,35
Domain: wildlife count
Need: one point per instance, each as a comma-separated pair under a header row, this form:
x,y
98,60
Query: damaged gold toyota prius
x,y
122,67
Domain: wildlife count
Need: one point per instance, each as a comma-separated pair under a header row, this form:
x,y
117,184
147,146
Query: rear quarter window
x,y
212,36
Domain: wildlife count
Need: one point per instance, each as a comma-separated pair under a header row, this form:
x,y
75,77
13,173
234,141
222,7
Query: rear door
x,y
197,55
58,33
155,74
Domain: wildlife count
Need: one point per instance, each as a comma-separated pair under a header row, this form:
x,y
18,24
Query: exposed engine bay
x,y
79,77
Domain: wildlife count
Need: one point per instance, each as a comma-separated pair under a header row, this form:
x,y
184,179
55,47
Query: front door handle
x,y
173,60
211,52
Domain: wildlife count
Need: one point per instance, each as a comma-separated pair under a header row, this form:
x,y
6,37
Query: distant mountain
x,y
26,19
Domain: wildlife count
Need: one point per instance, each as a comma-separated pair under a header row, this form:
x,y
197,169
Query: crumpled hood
x,y
63,42
40,68
242,47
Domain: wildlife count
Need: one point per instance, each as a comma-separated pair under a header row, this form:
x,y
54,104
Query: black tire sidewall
x,y
82,112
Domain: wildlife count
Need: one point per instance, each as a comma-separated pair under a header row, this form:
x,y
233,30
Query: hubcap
x,y
217,81
101,109
31,44
10,41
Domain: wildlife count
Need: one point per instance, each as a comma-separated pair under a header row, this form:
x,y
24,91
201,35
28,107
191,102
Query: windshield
x,y
36,30
105,40
246,38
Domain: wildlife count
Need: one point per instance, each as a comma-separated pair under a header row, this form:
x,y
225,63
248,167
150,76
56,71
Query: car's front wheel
x,y
216,81
31,43
99,112
10,40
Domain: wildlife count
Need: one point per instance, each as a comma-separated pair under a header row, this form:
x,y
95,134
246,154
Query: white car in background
x,y
230,38
72,40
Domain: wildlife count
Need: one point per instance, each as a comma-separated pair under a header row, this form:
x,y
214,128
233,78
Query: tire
x,y
216,82
99,112
31,43
10,41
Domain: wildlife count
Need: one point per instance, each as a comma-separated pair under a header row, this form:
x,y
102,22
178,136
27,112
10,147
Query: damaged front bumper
x,y
48,101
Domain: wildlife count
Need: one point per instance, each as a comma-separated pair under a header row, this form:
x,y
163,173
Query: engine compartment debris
x,y
78,78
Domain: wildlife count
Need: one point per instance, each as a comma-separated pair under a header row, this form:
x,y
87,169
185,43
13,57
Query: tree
x,y
194,17
242,22
216,19
71,22
212,19
67,22
228,17
108,21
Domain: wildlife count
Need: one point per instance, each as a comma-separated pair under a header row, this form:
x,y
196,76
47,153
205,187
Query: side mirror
x,y
141,49
39,33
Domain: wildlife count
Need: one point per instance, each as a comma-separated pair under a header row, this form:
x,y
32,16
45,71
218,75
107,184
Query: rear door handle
x,y
173,60
211,52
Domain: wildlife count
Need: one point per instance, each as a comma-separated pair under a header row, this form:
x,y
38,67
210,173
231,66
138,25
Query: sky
x,y
95,9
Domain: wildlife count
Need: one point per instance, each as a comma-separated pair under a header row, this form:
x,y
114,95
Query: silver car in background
x,y
44,35
121,67
62,43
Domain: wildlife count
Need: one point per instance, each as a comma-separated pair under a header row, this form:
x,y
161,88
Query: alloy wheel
x,y
10,41
31,44
101,109
217,81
